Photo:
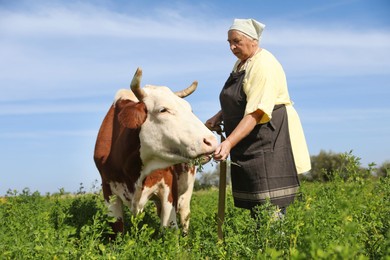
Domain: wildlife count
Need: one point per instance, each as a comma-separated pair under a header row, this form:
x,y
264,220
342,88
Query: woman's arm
x,y
214,122
243,129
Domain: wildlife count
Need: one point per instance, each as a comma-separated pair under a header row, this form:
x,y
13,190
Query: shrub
x,y
383,170
327,166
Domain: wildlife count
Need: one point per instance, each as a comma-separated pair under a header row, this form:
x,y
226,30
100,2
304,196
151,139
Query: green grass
x,y
335,220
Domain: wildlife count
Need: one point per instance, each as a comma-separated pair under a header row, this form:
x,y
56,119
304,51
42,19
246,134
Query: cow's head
x,y
170,133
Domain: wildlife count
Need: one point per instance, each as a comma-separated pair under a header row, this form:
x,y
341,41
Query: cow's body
x,y
140,139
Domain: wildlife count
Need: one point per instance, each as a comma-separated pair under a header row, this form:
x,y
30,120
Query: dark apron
x,y
263,164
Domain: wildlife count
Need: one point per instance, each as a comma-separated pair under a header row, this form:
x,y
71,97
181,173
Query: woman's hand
x,y
223,150
214,123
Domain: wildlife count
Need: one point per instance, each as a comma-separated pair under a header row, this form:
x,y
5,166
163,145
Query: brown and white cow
x,y
145,132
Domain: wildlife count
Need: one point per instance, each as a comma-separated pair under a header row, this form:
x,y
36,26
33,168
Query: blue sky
x,y
61,63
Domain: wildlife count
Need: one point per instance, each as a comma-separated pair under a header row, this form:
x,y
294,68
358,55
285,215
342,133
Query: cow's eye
x,y
163,110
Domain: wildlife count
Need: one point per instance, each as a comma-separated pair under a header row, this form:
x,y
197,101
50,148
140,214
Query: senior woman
x,y
265,138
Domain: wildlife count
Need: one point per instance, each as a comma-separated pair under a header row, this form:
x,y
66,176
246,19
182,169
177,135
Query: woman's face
x,y
242,47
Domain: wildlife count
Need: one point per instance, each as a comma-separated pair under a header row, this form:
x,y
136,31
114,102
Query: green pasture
x,y
345,218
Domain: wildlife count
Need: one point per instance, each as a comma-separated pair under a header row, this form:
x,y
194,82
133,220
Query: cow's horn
x,y
188,91
135,85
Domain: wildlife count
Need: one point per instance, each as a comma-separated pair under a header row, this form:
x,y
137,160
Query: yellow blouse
x,y
265,86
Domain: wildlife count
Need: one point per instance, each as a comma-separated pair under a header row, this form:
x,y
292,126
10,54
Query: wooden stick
x,y
222,194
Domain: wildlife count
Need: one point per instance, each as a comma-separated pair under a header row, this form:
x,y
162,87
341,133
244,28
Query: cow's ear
x,y
133,115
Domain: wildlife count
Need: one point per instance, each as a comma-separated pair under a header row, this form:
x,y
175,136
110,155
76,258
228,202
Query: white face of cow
x,y
171,133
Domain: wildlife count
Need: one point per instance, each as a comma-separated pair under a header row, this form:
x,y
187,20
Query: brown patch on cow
x,y
117,226
183,168
166,177
131,115
104,138
117,154
106,191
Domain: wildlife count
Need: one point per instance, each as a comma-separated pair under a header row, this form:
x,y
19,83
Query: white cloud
x,y
331,51
340,116
70,50
48,134
87,20
45,107
329,37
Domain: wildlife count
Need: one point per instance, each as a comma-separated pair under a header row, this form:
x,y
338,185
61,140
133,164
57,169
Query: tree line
x,y
326,166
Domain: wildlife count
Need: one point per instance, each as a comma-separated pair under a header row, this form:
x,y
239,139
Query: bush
x,y
383,170
327,166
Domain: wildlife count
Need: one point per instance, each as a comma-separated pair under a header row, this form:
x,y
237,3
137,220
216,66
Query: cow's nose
x,y
210,142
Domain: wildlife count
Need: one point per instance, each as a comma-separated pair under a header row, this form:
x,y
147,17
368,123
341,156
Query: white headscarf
x,y
250,27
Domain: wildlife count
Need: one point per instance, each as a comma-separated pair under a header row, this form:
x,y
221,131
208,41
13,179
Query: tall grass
x,y
346,218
